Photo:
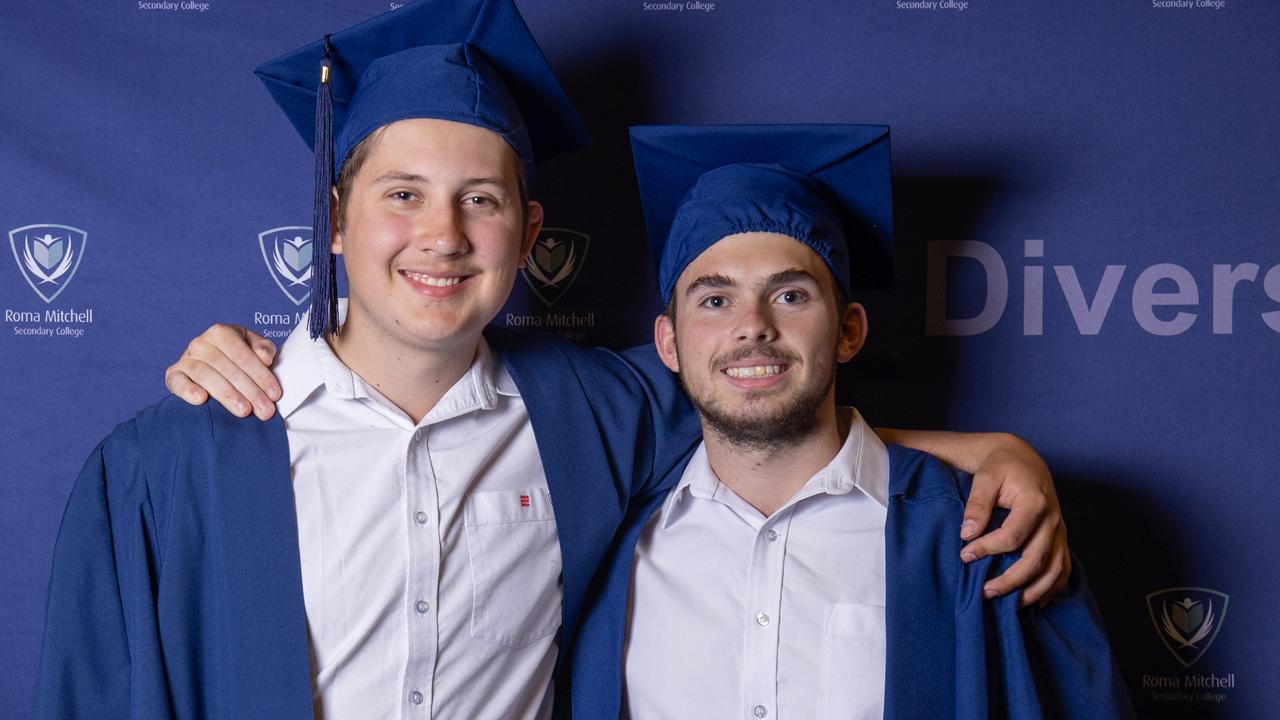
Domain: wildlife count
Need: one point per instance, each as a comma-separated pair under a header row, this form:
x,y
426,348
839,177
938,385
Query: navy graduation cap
x,y
827,186
469,61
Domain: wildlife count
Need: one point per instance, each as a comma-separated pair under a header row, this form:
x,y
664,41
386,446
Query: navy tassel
x,y
324,271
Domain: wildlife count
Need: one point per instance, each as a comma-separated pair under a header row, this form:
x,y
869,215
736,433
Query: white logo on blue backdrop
x,y
48,256
288,252
1187,619
554,263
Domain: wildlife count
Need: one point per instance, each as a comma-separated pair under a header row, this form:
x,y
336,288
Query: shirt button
x,y
421,606
415,697
772,535
420,517
760,711
762,620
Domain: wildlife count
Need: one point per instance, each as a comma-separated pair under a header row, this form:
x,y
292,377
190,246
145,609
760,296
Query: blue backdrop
x,y
1085,212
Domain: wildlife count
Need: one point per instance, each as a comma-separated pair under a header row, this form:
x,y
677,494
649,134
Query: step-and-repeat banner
x,y
1087,202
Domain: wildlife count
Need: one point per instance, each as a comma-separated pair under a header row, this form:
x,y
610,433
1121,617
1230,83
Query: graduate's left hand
x,y
1014,476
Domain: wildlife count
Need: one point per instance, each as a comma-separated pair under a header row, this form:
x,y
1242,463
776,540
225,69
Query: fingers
x,y
1017,478
1055,570
252,355
215,373
1030,511
1059,584
977,511
216,361
266,352
1000,540
1034,572
182,386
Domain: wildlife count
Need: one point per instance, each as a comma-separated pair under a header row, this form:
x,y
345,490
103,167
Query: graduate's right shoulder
x,y
154,434
166,417
173,441
158,427
172,450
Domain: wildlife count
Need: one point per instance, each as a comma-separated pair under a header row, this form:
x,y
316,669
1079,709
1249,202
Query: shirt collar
x,y
305,365
298,369
862,462
478,389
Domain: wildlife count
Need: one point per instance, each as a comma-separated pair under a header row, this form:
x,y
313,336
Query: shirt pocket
x,y
851,685
515,566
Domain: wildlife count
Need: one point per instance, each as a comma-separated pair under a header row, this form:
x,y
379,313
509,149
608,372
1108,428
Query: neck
x,y
768,477
412,378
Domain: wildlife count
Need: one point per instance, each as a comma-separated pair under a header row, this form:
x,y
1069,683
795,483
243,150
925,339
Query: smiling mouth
x,y
431,280
754,371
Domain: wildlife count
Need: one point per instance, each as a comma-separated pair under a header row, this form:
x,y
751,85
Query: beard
x,y
755,427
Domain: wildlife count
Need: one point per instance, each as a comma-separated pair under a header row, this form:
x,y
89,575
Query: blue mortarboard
x,y
469,61
827,186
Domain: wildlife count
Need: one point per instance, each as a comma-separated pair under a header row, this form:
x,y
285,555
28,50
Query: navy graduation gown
x,y
950,654
176,589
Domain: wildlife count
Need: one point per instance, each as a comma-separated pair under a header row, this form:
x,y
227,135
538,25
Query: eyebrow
x,y
397,176
400,176
709,281
485,181
782,277
793,275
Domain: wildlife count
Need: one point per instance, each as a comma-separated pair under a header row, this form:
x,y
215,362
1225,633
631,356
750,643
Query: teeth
x,y
755,371
433,281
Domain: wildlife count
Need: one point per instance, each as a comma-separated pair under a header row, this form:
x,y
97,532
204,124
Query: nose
x,y
440,231
755,323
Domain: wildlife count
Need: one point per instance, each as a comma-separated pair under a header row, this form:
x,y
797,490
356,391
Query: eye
x,y
403,196
791,297
480,201
714,302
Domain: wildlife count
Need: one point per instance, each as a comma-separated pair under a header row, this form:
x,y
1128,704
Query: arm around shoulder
x,y
1007,473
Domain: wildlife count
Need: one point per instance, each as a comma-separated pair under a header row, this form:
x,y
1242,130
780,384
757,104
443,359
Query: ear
x,y
531,230
664,338
335,212
853,333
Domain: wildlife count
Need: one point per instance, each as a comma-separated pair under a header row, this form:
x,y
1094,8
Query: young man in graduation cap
x,y
416,529
801,568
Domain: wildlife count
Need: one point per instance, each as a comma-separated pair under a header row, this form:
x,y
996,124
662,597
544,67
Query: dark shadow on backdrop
x,y
903,378
596,189
1130,548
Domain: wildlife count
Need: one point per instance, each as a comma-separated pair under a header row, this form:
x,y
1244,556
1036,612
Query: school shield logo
x,y
554,263
288,252
48,256
1187,620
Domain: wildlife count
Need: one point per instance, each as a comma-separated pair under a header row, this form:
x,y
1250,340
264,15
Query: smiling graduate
x,y
800,567
415,529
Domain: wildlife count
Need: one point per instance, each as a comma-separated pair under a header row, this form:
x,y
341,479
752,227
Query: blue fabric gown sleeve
x,y
983,659
94,635
1052,662
675,427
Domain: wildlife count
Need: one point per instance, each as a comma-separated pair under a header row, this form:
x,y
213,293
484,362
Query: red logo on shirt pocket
x,y
524,501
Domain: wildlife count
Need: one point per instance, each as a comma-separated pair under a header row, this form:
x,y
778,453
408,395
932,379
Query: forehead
x,y
442,143
753,258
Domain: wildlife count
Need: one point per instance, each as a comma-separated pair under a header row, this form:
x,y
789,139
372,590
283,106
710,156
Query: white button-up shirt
x,y
430,561
735,615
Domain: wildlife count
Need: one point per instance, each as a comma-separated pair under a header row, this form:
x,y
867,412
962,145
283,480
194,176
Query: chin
x,y
433,333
